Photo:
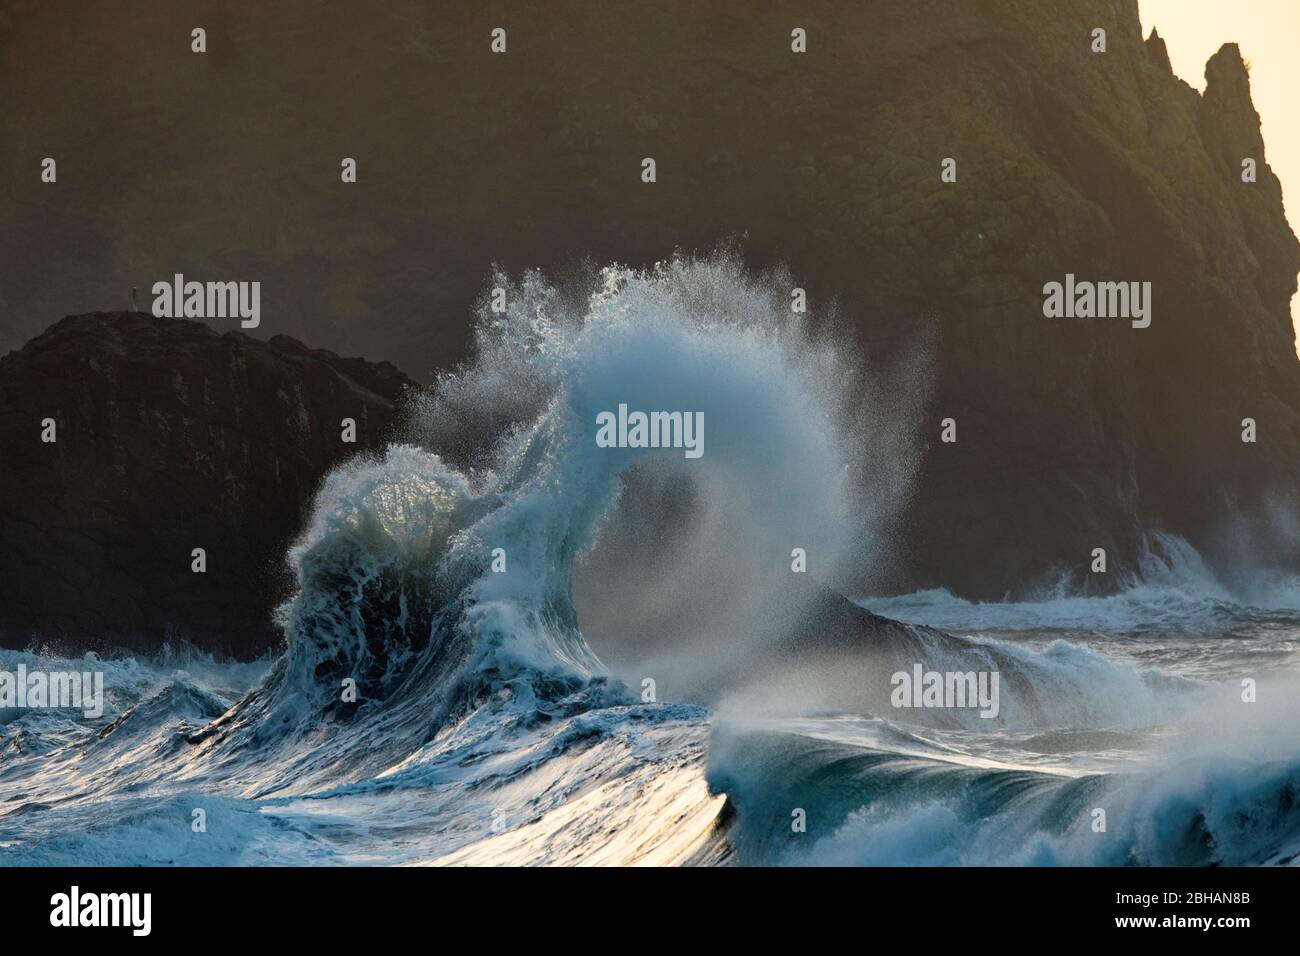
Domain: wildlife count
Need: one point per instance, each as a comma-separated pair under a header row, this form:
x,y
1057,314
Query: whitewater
x,y
646,681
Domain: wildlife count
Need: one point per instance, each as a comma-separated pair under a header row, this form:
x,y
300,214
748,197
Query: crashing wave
x,y
438,702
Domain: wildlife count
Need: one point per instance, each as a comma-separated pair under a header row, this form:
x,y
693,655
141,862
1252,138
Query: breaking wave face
x,y
396,587
880,808
436,675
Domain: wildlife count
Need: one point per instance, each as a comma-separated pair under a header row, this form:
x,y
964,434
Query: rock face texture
x,y
1073,434
1078,433
170,437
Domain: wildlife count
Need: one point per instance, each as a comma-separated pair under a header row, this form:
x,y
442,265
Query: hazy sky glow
x,y
1268,32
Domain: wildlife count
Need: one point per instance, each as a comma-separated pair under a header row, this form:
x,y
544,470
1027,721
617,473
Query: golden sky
x,y
1268,32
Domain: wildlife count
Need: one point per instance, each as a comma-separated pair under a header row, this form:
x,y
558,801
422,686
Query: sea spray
x,y
394,568
485,728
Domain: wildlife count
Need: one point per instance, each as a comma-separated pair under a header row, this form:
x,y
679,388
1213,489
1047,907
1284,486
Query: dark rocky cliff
x,y
170,437
1072,433
1081,433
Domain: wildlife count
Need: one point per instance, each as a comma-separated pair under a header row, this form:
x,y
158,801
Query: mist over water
x,y
1172,589
683,564
499,589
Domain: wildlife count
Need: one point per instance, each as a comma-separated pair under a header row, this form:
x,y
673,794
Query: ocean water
x,y
487,729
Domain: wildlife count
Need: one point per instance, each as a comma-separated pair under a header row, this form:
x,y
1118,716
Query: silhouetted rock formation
x,y
1072,433
1158,52
170,437
1080,433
